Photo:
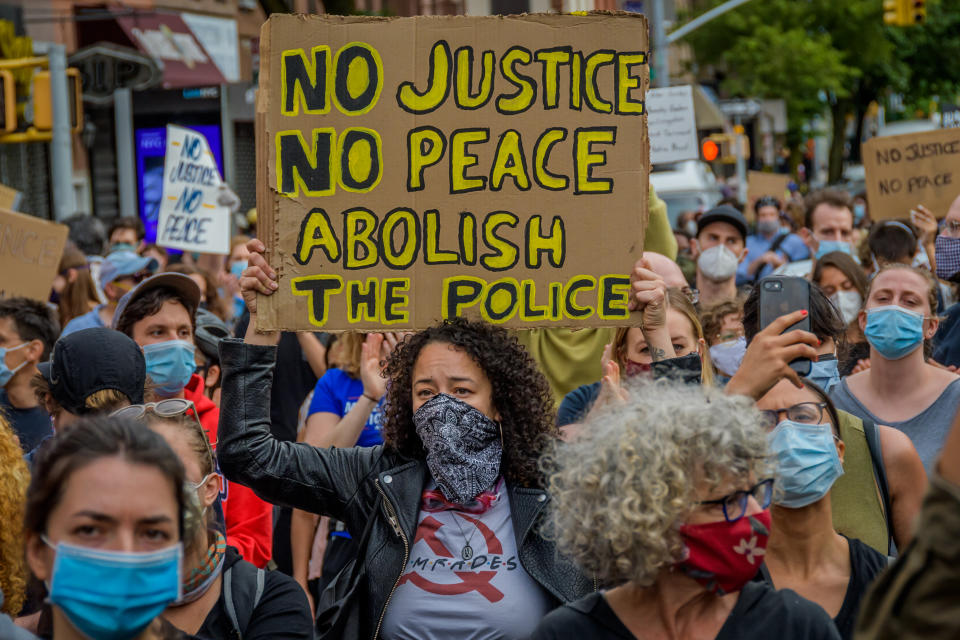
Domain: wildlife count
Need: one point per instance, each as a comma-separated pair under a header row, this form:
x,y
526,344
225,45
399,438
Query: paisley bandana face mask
x,y
463,446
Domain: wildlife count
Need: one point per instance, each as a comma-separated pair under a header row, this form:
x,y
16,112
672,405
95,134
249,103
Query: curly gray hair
x,y
620,491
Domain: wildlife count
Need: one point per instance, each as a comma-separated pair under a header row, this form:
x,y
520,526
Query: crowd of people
x,y
706,471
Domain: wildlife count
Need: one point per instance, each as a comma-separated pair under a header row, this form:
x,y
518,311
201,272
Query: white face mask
x,y
727,356
848,303
718,263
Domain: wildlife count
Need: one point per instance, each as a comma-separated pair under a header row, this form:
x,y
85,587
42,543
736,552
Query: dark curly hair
x,y
521,394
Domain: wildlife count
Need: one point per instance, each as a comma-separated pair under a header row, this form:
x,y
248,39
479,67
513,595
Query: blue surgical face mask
x,y
893,331
123,246
829,246
113,595
807,462
237,267
6,372
824,373
170,365
859,211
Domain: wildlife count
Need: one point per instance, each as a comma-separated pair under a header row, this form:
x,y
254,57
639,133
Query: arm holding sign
x,y
650,300
328,481
926,223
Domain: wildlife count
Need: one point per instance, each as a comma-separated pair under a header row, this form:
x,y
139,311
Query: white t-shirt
x,y
442,595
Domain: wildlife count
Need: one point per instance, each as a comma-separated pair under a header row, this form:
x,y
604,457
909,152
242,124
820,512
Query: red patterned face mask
x,y
723,556
632,369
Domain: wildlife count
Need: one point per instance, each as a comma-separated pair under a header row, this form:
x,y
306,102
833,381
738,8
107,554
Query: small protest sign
x,y
672,124
190,218
912,169
949,116
9,198
416,169
761,183
30,250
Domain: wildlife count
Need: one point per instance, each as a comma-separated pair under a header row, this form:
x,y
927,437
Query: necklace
x,y
467,551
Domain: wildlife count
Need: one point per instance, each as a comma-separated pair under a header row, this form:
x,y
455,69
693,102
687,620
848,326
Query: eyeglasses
x,y
169,408
735,504
804,413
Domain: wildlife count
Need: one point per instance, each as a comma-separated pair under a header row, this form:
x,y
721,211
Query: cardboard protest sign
x,y
761,183
30,250
915,168
190,218
9,198
672,124
415,169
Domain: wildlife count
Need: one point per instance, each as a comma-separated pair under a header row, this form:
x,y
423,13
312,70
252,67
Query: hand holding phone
x,y
780,296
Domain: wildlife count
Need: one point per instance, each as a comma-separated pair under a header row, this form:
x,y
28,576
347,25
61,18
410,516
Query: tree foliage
x,y
828,55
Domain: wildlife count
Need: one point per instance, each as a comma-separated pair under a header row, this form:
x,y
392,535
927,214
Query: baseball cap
x,y
183,285
124,263
724,213
210,331
91,360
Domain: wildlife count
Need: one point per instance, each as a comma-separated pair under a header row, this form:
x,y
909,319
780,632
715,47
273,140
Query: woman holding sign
x,y
445,512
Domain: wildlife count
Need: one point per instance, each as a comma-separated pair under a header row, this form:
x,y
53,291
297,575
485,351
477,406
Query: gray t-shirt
x,y
927,430
441,595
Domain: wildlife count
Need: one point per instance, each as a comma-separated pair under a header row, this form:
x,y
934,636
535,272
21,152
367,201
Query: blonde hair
x,y
14,479
351,349
679,301
106,401
620,491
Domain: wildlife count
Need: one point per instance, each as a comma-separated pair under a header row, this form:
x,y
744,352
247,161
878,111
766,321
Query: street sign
x,y
741,108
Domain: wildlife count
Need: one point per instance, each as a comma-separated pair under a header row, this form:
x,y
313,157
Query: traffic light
x,y
8,102
43,103
904,13
710,150
918,11
893,13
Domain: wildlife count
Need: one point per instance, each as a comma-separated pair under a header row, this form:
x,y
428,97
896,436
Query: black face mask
x,y
464,447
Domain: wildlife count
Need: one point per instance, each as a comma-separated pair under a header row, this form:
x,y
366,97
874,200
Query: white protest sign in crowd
x,y
190,217
672,125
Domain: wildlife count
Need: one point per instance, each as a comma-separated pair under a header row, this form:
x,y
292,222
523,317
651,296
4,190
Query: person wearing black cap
x,y
210,331
721,237
159,314
90,371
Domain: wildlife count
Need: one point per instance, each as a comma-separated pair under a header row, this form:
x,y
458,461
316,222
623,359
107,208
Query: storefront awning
x,y
167,39
707,112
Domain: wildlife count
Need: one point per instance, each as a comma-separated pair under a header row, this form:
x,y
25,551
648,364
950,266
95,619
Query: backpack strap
x,y
244,598
872,433
773,249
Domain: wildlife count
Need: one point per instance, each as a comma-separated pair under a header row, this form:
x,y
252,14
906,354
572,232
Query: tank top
x,y
927,430
854,498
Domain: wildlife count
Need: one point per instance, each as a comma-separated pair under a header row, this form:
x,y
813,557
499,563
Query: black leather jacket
x,y
356,484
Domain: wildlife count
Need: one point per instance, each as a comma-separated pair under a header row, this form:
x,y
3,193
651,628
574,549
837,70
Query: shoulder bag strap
x,y
872,433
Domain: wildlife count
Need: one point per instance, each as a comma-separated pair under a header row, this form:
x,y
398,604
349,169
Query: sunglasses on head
x,y
169,408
